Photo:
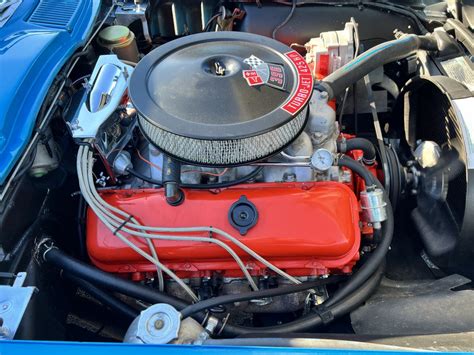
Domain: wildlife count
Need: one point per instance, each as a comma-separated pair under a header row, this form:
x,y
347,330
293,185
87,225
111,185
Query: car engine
x,y
217,170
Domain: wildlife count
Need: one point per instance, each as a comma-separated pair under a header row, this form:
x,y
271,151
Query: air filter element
x,y
223,98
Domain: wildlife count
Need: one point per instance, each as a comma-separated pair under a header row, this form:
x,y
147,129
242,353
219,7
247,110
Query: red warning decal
x,y
252,77
304,81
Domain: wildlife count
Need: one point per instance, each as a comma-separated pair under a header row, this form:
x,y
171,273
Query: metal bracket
x,y
102,96
13,303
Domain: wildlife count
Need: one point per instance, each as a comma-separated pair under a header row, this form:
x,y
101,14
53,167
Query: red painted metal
x,y
303,228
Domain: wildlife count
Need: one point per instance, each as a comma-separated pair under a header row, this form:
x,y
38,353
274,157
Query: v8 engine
x,y
234,181
233,105
229,170
206,170
226,172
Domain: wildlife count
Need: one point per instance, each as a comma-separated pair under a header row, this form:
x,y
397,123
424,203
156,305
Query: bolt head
x,y
159,324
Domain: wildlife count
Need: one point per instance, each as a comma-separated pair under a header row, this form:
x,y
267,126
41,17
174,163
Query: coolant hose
x,y
358,144
315,319
347,162
247,296
103,297
335,83
378,256
79,269
360,285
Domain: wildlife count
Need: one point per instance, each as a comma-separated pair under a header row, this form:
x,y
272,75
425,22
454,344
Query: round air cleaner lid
x,y
221,98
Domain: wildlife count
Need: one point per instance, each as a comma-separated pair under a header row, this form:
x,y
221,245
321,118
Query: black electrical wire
x,y
286,20
247,296
401,10
104,297
81,233
217,185
223,184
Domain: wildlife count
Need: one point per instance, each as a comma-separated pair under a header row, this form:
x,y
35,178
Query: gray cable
x,y
200,229
82,154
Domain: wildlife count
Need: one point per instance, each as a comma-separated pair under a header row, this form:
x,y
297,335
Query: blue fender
x,y
35,43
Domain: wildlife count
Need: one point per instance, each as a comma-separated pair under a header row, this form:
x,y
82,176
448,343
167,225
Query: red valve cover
x,y
303,228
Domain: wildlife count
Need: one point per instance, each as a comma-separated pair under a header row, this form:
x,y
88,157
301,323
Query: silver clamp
x,y
46,243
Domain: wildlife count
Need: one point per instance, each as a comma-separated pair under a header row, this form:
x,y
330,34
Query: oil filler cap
x,y
243,215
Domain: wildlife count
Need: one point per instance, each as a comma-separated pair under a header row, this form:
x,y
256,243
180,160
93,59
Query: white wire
x,y
126,225
91,203
197,229
192,229
159,272
82,185
118,222
161,281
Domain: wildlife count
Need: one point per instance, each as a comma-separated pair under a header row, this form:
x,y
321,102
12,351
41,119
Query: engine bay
x,y
217,172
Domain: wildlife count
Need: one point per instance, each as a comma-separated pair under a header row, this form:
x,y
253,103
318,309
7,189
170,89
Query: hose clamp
x,y
46,243
324,313
342,144
211,324
224,323
368,162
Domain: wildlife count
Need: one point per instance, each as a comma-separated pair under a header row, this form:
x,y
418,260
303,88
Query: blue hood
x,y
34,45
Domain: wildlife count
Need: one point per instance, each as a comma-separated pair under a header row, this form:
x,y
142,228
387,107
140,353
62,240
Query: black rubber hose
x,y
336,82
108,281
359,169
314,319
358,144
247,296
355,283
103,297
217,185
378,256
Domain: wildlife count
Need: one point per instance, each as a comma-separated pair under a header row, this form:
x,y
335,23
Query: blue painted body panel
x,y
31,55
74,348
